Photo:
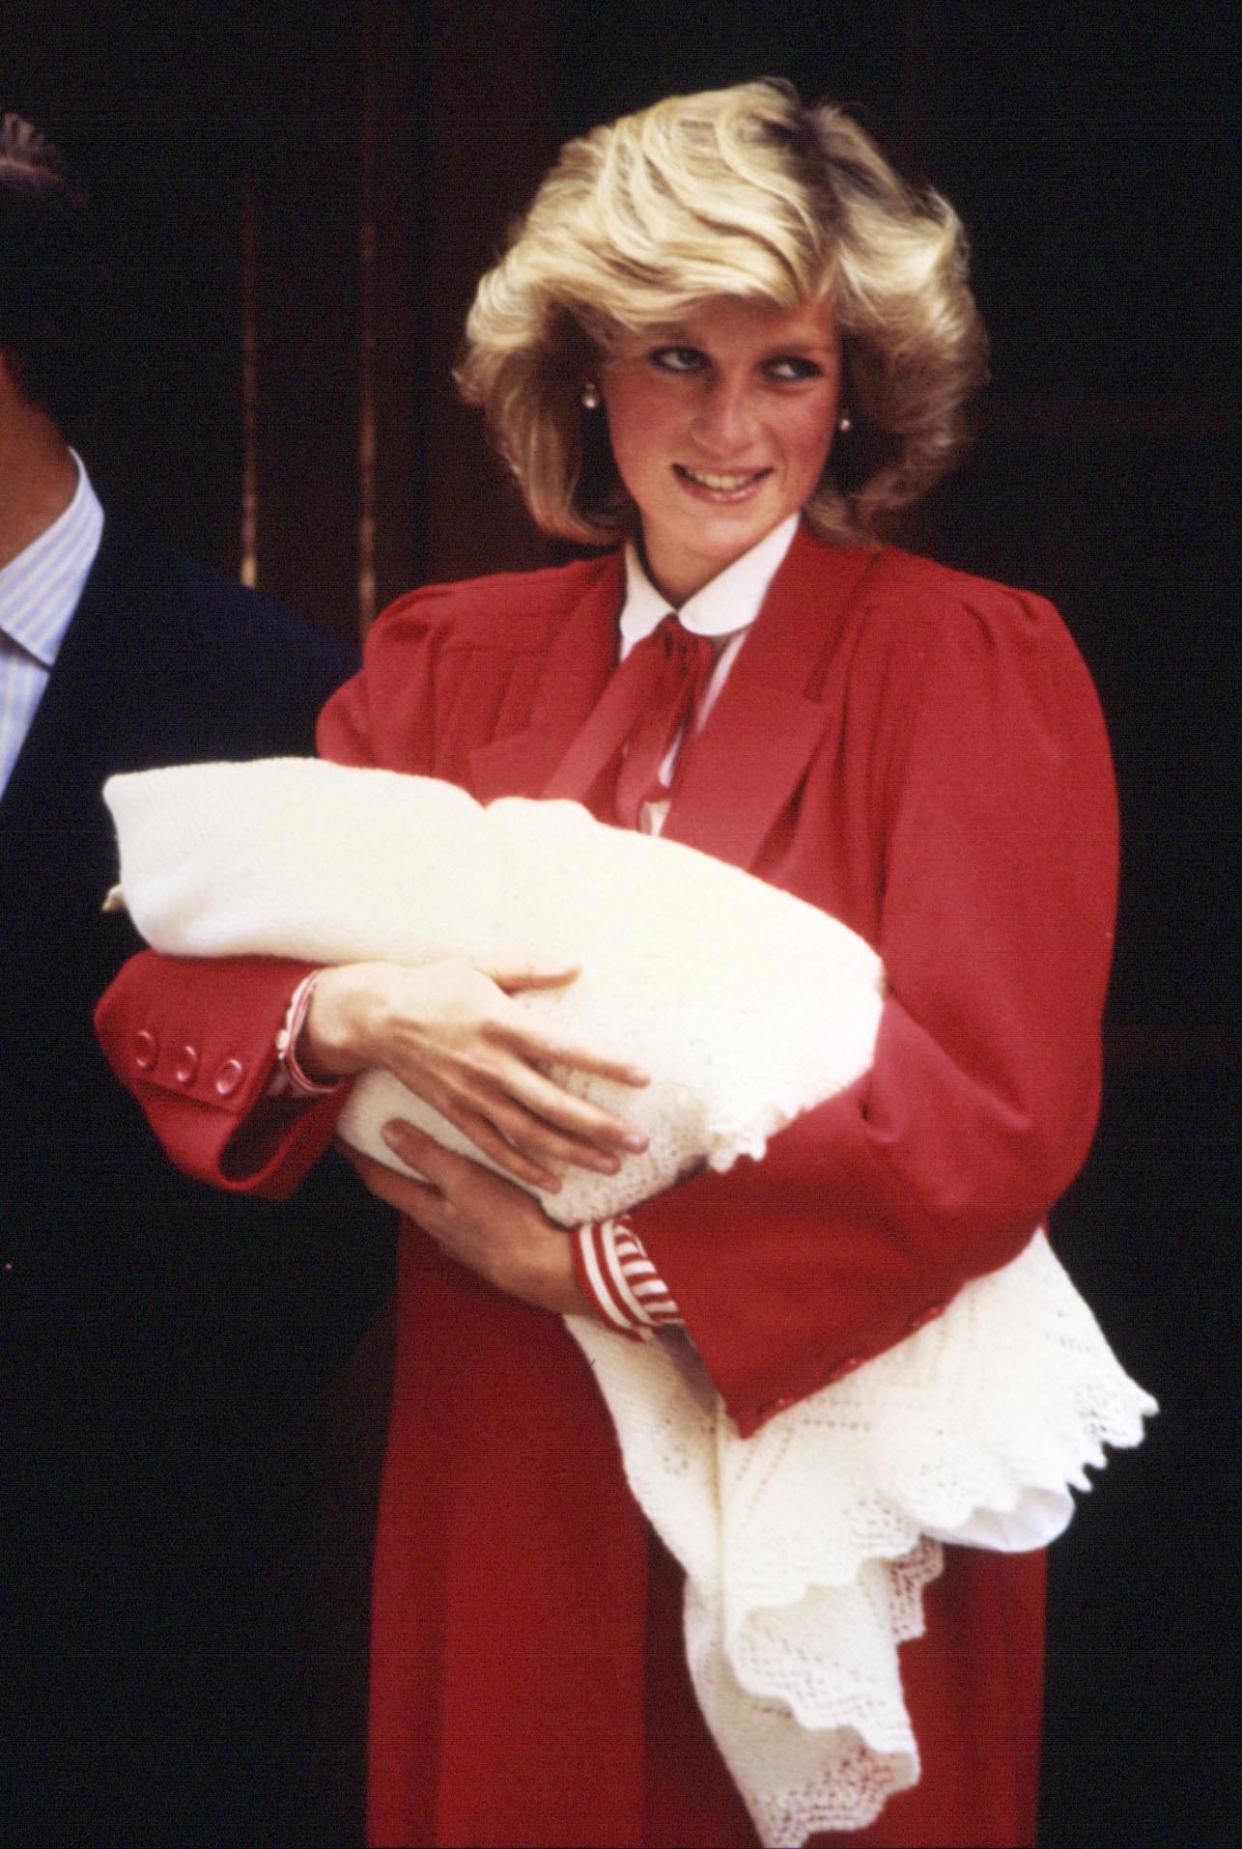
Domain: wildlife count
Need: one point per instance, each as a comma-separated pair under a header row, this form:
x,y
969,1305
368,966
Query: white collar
x,y
728,603
40,588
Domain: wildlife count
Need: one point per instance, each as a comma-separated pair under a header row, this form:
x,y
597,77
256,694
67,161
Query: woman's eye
x,y
676,359
793,366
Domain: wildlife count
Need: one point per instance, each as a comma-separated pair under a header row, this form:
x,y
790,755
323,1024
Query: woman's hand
x,y
477,1218
454,1036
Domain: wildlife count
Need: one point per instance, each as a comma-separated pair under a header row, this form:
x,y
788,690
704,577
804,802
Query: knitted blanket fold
x,y
807,1546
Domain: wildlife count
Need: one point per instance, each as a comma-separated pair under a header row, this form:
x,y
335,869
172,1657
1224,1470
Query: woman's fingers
x,y
520,1161
567,1128
478,1219
401,1191
522,1143
543,1141
525,1034
530,1109
488,1102
443,1172
531,1041
484,1100
454,1036
511,977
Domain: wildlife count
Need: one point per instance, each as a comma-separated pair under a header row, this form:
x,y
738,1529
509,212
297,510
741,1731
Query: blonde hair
x,y
742,193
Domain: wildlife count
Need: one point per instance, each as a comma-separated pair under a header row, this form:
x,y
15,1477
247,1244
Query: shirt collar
x,y
728,603
40,588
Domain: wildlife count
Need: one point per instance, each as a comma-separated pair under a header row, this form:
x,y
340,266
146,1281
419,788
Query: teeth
x,y
722,482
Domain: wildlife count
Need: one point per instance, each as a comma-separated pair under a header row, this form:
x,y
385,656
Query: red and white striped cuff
x,y
620,1282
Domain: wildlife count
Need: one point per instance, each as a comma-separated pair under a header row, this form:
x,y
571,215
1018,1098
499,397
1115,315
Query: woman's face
x,y
720,426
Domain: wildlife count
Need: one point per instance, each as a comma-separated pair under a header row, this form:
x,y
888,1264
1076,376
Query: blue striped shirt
x,y
39,592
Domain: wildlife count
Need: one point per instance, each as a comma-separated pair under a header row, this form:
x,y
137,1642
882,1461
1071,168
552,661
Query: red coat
x,y
921,753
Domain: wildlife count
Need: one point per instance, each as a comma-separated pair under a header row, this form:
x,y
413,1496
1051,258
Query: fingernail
x,y
636,1076
392,1134
635,1140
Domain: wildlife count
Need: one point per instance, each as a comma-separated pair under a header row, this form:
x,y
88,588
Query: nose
x,y
724,419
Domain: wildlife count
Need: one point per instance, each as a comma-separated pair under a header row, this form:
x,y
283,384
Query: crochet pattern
x,y
807,1546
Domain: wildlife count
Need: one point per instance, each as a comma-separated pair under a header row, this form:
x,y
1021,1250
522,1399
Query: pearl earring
x,y
590,396
845,423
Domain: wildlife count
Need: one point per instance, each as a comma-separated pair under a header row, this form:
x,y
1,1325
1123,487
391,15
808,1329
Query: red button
x,y
146,1050
928,1316
229,1077
843,1368
186,1069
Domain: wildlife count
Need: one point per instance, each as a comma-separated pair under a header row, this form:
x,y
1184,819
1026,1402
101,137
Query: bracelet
x,y
287,1042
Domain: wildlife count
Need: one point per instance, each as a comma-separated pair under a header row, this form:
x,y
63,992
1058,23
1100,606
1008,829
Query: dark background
x,y
326,181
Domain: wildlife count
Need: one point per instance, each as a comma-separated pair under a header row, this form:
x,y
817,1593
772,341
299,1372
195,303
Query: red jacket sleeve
x,y
194,1038
994,801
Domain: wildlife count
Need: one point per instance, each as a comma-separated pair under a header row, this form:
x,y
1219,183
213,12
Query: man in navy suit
x,y
165,1351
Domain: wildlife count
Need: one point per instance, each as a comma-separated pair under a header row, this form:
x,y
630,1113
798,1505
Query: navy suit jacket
x,y
159,1341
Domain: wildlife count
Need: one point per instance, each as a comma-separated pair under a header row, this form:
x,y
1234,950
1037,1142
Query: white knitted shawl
x,y
807,1546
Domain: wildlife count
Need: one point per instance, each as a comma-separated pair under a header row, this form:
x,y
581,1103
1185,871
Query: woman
x,y
727,343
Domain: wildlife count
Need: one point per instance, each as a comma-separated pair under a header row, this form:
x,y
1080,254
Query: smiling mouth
x,y
730,482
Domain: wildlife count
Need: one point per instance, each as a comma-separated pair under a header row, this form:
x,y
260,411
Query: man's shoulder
x,y
180,663
176,597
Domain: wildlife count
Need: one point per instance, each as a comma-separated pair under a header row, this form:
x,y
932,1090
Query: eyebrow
x,y
673,335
